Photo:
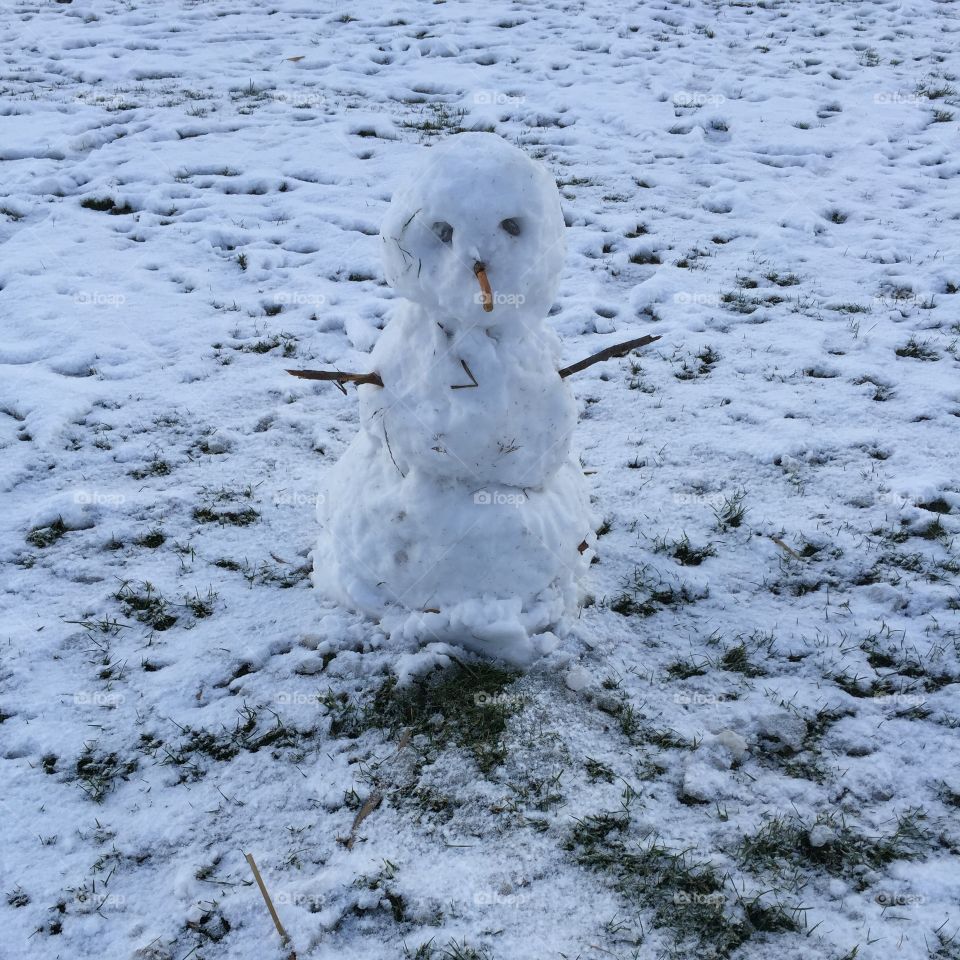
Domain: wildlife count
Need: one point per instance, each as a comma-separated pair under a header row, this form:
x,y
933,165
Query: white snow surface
x,y
763,682
461,500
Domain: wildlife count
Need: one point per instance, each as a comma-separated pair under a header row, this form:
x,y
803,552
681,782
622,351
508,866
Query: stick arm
x,y
338,377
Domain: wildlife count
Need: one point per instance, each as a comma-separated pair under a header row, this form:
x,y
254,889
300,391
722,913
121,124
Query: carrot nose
x,y
485,292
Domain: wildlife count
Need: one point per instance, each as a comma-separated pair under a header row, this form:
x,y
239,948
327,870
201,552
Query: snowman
x,y
460,512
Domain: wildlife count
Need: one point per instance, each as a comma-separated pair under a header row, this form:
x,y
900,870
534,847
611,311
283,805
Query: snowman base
x,y
436,560
498,629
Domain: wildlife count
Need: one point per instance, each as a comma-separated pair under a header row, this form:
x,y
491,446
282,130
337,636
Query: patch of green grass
x,y
806,760
936,505
141,601
685,895
236,518
698,365
285,340
106,205
250,734
597,770
831,845
935,93
152,539
155,468
461,950
17,898
739,302
465,705
437,118
266,574
530,793
47,536
849,308
736,659
934,530
210,927
645,592
382,882
731,513
782,279
201,607
685,669
887,651
690,556
97,772
918,350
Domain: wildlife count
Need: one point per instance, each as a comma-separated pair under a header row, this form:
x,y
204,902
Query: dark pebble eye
x,y
512,227
443,231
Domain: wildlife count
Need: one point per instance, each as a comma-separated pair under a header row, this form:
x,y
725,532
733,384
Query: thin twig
x,y
337,377
617,350
793,553
369,805
465,386
390,451
284,938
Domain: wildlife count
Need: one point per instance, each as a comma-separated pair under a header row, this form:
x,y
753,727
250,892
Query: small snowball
x,y
822,835
733,742
577,679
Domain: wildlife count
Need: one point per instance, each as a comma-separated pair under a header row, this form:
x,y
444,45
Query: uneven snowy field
x,y
746,746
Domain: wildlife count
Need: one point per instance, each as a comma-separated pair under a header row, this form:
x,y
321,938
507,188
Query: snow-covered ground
x,y
747,744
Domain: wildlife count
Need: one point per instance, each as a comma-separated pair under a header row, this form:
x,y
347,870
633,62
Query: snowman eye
x,y
443,230
511,226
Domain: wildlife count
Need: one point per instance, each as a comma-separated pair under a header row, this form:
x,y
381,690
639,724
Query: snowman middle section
x,y
483,406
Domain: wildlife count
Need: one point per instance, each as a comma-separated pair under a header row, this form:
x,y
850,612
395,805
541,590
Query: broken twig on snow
x,y
284,937
617,350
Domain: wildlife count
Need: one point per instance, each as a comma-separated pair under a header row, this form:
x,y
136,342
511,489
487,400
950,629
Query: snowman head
x,y
477,235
